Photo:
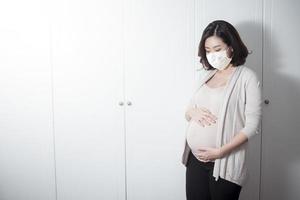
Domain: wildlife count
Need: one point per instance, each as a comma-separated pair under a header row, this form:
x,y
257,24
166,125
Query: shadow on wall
x,y
280,122
251,34
281,152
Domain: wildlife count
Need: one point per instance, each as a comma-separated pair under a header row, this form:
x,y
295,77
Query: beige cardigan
x,y
240,112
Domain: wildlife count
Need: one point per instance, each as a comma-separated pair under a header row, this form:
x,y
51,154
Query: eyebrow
x,y
213,46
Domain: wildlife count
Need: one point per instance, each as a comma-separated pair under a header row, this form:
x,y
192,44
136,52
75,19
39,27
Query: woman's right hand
x,y
202,116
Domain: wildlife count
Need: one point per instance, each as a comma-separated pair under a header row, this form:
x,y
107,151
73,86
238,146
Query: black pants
x,y
201,185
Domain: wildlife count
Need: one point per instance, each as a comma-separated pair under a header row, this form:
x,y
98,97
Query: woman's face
x,y
215,44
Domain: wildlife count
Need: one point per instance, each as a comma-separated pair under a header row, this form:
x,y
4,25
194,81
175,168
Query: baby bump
x,y
198,135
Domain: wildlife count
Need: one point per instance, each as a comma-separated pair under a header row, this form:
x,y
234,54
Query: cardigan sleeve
x,y
253,107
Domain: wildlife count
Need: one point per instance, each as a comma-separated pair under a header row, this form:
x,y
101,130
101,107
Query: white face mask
x,y
218,60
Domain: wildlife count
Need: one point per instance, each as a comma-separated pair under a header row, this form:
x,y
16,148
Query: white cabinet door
x,y
281,124
26,142
159,54
88,120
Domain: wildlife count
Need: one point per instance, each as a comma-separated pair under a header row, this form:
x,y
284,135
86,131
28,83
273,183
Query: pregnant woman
x,y
223,114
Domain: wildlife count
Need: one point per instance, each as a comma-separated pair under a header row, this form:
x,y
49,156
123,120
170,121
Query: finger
x,y
203,156
210,118
202,159
200,155
213,116
200,123
202,149
205,116
197,121
206,148
205,109
206,122
210,115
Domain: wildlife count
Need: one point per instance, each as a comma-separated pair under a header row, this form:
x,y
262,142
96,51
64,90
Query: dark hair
x,y
230,36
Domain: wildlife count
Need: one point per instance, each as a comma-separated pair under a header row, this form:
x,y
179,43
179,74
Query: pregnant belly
x,y
198,136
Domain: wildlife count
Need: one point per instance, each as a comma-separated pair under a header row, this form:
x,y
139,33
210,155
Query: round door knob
x,y
267,101
129,103
121,103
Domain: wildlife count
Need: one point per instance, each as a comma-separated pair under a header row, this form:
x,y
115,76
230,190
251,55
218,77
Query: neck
x,y
228,69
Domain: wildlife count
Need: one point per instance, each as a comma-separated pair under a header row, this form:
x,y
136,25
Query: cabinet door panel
x,y
87,60
26,142
159,69
280,153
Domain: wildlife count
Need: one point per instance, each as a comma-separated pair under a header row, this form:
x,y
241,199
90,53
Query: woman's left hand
x,y
208,154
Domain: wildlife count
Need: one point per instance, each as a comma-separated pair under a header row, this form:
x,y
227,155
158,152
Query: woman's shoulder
x,y
248,73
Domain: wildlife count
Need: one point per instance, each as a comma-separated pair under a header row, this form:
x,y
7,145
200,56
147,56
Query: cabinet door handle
x,y
129,103
267,101
121,103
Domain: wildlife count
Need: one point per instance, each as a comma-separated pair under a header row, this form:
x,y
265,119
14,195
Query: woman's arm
x,y
252,114
236,141
253,106
208,154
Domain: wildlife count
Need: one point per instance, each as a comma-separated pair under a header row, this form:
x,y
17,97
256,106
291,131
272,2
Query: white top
x,y
197,135
240,112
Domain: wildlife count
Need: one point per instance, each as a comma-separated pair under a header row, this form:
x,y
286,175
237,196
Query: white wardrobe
x,y
120,71
93,95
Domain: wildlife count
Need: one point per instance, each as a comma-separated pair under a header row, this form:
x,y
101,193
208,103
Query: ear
x,y
230,52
